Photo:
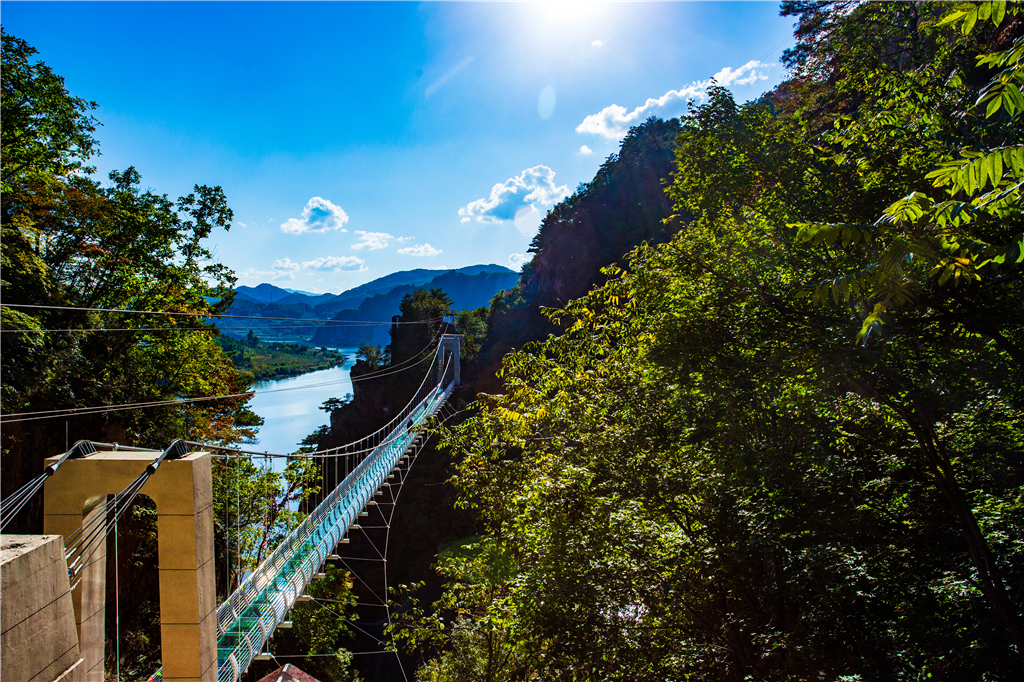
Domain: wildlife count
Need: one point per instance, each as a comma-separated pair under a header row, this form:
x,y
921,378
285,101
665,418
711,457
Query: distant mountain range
x,y
466,292
378,300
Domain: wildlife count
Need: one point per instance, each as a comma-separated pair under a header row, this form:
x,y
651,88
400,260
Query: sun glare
x,y
571,19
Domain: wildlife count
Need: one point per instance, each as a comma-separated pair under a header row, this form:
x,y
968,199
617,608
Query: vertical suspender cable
x,y
117,603
227,545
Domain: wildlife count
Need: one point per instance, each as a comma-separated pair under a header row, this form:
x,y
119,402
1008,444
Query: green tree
x,y
371,355
255,508
46,130
422,316
71,244
704,475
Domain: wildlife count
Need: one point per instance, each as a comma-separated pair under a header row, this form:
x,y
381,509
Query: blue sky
x,y
357,139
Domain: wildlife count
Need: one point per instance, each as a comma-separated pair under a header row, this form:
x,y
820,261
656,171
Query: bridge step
x,y
303,598
319,576
285,625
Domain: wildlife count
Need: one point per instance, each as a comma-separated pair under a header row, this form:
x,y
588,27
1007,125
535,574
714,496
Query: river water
x,y
292,414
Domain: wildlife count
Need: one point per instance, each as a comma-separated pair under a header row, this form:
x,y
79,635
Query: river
x,y
291,414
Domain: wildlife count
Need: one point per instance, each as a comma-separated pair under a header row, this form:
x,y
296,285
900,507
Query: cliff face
x,y
624,206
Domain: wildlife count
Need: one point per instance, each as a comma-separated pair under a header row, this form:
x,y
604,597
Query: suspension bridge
x,y
202,643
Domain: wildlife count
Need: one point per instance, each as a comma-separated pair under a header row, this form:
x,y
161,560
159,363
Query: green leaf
x,y
1017,161
951,17
969,20
998,12
993,106
1016,100
996,167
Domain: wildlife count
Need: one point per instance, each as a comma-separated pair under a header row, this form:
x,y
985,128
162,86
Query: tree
x,y
371,355
107,291
46,130
705,474
71,245
422,317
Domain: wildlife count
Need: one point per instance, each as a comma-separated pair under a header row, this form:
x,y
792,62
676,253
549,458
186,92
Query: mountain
x,y
269,301
416,277
263,293
466,292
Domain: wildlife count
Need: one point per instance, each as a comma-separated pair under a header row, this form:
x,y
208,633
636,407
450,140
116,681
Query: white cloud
x,y
372,240
319,215
424,249
402,240
613,122
250,273
516,260
586,150
749,73
599,43
286,268
533,188
336,263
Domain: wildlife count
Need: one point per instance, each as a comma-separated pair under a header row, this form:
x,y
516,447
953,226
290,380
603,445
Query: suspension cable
x,y
81,544
14,503
212,315
11,417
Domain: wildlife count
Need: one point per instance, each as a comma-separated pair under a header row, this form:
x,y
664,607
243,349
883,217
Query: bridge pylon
x,y
450,347
183,492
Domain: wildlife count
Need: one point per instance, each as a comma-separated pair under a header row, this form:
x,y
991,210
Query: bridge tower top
x,y
183,492
450,346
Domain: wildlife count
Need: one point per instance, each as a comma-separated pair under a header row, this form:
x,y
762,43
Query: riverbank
x,y
266,361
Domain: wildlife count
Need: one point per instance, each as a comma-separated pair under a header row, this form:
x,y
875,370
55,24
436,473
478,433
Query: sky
x,y
357,139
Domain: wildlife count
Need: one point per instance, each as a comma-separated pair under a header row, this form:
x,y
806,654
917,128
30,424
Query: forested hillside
x,y
787,443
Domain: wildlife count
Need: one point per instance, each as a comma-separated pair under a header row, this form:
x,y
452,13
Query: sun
x,y
572,19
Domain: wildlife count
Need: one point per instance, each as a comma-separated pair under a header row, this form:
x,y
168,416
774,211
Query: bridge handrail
x,y
245,621
238,601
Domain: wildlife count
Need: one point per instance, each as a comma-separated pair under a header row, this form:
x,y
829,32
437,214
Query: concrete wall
x,y
39,641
